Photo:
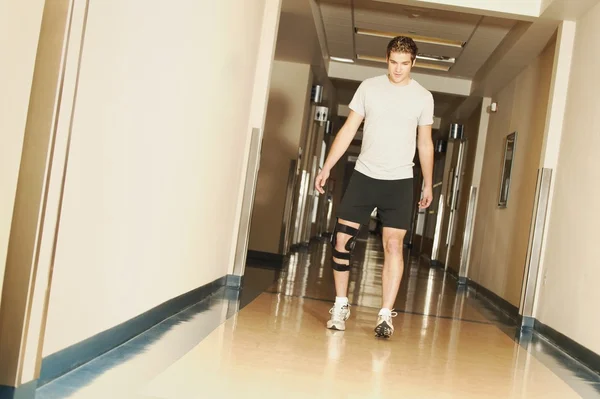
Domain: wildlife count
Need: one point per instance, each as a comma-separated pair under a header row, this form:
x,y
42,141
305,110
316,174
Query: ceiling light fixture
x,y
339,59
416,38
436,58
418,64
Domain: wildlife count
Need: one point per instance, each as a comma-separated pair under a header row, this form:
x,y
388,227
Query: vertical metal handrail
x,y
457,179
248,203
534,249
438,229
466,245
284,240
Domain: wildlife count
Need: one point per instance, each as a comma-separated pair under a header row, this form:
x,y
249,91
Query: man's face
x,y
399,66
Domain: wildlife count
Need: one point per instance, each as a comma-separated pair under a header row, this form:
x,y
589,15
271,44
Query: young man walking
x,y
398,115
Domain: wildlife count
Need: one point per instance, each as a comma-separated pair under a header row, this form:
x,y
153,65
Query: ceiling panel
x,y
341,50
421,27
291,25
412,20
482,35
336,11
376,46
339,28
488,35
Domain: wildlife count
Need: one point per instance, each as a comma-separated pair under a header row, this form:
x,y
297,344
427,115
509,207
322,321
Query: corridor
x,y
269,341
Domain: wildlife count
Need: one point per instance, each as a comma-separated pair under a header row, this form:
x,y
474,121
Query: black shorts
x,y
392,198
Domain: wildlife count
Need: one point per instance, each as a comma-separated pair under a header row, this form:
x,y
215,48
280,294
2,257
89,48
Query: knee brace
x,y
353,233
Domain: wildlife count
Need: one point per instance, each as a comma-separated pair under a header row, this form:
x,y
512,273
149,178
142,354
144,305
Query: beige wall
x,y
287,114
155,160
569,294
501,236
20,23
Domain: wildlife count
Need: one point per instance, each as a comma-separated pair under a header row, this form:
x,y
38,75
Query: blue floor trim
x,y
574,373
578,351
57,364
25,391
181,332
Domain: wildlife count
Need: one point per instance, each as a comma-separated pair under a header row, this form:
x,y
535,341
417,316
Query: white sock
x,y
385,312
341,301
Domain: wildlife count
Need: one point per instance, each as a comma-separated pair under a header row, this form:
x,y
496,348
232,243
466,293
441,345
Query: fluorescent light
x,y
347,60
435,67
435,58
416,38
370,58
418,64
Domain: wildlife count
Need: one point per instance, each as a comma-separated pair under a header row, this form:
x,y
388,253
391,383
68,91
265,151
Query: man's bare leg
x,y
393,269
393,265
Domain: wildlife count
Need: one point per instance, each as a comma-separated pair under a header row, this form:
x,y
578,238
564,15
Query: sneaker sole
x,y
337,327
383,330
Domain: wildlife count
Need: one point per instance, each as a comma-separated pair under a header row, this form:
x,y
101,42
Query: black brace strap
x,y
353,233
342,228
340,267
340,255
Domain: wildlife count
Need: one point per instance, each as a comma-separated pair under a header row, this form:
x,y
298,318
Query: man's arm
x,y
338,148
425,147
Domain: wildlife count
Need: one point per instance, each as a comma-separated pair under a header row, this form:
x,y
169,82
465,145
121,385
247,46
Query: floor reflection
x,y
269,340
425,291
268,353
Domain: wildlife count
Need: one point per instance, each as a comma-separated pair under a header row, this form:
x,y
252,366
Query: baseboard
x,y
461,281
25,391
266,257
585,356
527,323
506,307
576,350
60,363
234,281
452,272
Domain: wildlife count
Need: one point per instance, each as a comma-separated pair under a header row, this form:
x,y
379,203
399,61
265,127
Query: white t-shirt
x,y
392,114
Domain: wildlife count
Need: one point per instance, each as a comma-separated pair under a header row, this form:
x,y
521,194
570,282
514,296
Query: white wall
x,y
20,23
570,295
155,163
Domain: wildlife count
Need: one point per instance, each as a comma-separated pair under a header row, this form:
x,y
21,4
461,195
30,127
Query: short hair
x,y
402,44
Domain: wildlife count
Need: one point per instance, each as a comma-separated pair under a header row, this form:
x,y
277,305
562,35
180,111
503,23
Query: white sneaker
x,y
384,327
339,315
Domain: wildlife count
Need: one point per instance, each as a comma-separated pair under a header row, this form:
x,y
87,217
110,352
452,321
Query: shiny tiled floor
x,y
269,341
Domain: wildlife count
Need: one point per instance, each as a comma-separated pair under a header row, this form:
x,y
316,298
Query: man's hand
x,y
427,198
321,179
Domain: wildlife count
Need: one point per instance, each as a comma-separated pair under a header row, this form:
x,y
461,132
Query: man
x,y
398,114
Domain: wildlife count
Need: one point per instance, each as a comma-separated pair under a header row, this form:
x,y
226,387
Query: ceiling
x,y
450,44
464,44
455,44
296,21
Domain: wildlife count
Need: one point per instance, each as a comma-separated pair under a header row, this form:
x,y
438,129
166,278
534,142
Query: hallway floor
x,y
269,341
